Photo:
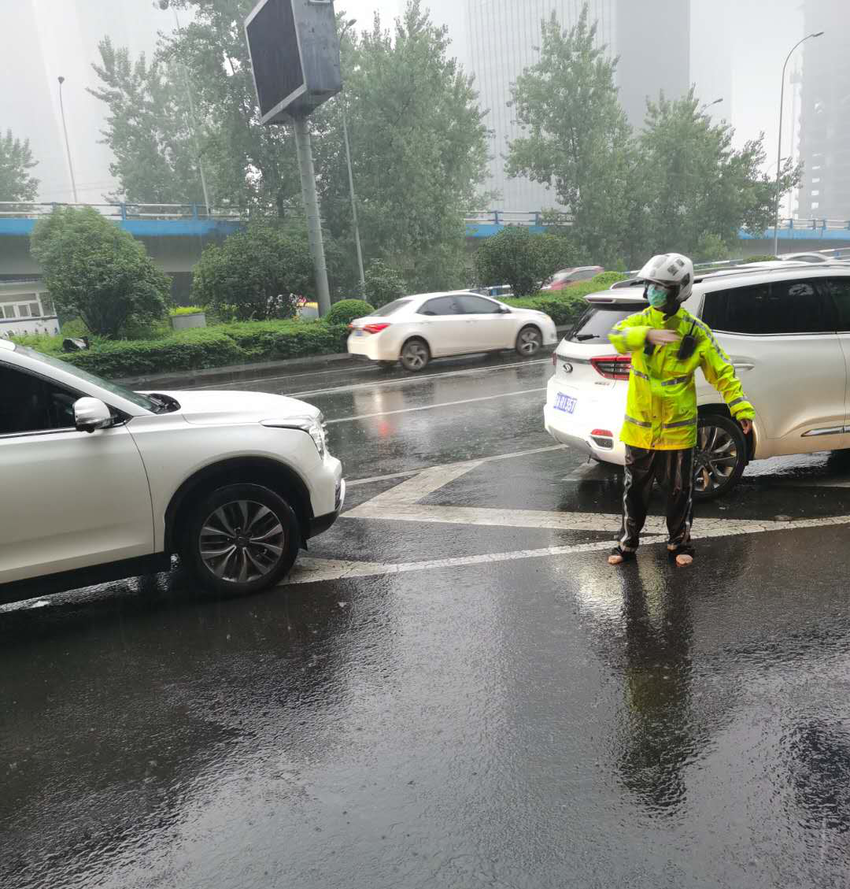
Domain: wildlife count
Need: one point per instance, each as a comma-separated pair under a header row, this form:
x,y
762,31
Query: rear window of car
x,y
597,322
389,308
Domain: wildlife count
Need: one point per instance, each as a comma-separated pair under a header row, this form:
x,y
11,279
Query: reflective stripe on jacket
x,y
661,410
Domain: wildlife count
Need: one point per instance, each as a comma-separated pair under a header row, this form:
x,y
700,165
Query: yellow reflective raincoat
x,y
661,410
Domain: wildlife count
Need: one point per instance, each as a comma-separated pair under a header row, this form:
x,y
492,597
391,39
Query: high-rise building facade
x,y
824,145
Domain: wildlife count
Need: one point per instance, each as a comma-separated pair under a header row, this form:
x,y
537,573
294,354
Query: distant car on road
x,y
786,329
100,483
416,329
565,277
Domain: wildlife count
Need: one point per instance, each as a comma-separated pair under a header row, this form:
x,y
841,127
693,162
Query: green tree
x,y
252,167
16,183
255,274
524,260
383,284
98,272
418,145
576,138
148,128
702,190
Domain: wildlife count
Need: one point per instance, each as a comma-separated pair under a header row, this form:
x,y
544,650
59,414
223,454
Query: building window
x,y
7,311
35,310
47,306
24,311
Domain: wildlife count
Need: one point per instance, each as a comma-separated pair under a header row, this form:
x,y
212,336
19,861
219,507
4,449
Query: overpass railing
x,y
532,218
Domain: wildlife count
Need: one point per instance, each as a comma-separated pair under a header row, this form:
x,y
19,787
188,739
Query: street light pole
x,y
67,144
350,24
779,145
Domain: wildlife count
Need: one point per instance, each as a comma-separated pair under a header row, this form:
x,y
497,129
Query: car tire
x,y
529,341
387,365
256,544
415,355
720,457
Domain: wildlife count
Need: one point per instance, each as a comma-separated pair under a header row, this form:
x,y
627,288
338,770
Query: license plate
x,y
358,333
565,403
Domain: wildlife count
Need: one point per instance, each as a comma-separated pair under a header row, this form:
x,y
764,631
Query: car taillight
x,y
604,438
375,328
613,367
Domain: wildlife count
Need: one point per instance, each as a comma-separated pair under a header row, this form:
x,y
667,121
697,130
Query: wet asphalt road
x,y
490,705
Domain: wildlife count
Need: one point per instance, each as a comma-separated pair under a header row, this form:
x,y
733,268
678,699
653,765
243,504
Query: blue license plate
x,y
358,333
565,403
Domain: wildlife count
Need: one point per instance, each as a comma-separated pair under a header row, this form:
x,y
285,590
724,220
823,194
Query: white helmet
x,y
670,270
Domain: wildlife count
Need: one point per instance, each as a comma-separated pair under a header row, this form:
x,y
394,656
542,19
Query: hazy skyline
x,y
56,37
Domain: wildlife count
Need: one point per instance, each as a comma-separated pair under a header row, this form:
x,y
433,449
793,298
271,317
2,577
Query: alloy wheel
x,y
529,342
415,356
242,541
715,460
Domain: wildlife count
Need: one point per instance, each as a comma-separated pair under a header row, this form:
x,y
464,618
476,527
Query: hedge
x,y
346,310
568,305
252,341
201,348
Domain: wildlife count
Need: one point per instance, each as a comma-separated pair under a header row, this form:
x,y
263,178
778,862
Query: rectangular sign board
x,y
294,52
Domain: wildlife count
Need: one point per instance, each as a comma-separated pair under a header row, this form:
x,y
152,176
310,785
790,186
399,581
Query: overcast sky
x,y
758,32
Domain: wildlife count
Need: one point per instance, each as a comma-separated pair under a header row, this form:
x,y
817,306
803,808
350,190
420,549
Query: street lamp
x,y
163,5
350,24
67,144
779,146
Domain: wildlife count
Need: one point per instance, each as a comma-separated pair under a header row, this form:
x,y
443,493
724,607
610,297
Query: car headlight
x,y
314,426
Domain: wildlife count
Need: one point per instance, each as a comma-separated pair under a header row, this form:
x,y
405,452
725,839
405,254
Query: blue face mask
x,y
657,296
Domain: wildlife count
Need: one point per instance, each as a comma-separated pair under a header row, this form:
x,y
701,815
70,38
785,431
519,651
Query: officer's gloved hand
x,y
662,337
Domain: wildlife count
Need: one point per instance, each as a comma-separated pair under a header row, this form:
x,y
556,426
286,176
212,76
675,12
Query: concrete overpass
x,y
175,234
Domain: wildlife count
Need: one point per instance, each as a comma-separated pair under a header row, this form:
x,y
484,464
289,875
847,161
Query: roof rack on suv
x,y
781,266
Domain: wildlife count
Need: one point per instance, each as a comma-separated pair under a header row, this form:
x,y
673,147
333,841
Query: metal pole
x,y
188,87
779,146
67,144
353,201
311,207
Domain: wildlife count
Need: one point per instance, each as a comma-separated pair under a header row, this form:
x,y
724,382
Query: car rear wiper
x,y
583,337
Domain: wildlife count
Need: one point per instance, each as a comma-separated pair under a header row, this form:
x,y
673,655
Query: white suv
x,y
786,328
98,483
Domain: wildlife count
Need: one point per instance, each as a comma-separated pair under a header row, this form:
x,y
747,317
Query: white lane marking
x,y
408,473
433,407
315,570
400,380
402,503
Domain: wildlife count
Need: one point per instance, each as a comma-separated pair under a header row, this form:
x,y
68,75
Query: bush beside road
x,y
247,342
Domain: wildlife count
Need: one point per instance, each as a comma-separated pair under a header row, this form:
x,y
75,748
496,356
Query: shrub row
x,y
201,348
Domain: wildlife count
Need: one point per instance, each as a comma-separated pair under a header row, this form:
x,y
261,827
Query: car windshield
x,y
597,322
114,388
390,308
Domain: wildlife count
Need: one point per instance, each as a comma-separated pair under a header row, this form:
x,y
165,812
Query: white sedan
x,y
416,329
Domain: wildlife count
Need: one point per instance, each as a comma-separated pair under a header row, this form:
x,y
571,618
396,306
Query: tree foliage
x,y
383,284
255,275
678,185
524,260
98,272
148,128
699,190
418,147
16,160
576,137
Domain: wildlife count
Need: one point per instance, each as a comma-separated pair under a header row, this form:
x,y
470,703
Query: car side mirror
x,y
91,414
504,310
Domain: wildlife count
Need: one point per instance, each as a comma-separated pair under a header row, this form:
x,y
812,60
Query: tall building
x,y
501,38
825,113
